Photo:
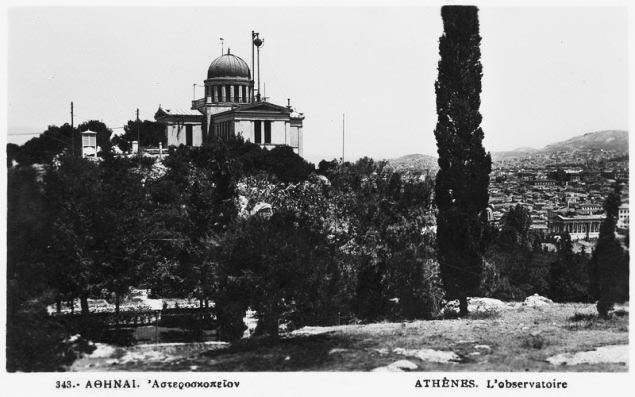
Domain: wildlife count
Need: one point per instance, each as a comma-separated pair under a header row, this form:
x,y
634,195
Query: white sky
x,y
549,73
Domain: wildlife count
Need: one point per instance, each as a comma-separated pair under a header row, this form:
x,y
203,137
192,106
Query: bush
x,y
230,317
37,343
582,317
534,341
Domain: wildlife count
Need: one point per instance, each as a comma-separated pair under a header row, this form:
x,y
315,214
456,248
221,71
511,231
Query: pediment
x,y
262,107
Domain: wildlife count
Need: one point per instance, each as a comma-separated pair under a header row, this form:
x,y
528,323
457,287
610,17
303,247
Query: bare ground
x,y
519,338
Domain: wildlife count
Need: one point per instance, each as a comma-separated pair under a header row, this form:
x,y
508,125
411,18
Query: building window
x,y
236,93
257,132
244,89
267,131
89,140
188,135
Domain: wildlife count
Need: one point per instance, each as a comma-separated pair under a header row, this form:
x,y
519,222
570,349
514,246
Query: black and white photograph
x,y
436,187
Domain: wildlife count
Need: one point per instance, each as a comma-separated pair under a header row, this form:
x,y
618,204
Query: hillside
x,y
610,140
415,163
513,338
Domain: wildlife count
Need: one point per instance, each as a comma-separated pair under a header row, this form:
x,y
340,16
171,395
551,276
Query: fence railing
x,y
165,318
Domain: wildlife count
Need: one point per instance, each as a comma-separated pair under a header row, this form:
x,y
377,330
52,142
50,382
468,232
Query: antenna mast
x,y
257,42
253,36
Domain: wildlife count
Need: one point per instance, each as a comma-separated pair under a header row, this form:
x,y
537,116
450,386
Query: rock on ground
x,y
436,356
485,348
386,368
478,305
617,354
537,300
404,364
397,366
102,350
337,350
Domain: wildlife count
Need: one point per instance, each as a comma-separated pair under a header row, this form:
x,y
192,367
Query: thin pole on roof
x,y
253,70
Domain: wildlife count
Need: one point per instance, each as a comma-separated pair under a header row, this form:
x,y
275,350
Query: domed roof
x,y
228,65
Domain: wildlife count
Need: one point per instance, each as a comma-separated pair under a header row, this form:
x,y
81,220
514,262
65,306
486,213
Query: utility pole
x,y
72,131
343,136
138,136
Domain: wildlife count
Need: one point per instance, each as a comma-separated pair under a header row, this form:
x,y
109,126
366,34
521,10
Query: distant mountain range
x,y
615,140
609,140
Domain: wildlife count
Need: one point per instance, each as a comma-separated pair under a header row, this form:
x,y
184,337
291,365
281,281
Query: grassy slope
x,y
359,347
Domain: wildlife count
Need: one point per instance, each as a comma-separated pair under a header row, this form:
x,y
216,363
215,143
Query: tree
x,y
609,262
281,264
150,133
13,154
461,186
72,194
52,142
194,204
118,239
515,231
57,140
568,275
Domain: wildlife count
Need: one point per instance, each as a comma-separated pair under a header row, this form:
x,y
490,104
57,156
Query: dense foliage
x,y
55,141
352,243
149,133
236,227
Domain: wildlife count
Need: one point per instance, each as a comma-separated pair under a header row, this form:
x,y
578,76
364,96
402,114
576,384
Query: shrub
x,y
582,317
534,341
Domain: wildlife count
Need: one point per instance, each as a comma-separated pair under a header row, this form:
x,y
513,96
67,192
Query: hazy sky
x,y
549,73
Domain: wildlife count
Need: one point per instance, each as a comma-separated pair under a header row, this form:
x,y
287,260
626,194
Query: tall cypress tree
x,y
609,263
461,186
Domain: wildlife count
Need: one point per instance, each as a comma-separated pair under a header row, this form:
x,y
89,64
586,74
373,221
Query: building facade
x,y
623,217
231,108
579,227
89,145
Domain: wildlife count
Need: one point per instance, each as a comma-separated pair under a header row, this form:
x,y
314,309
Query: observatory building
x,y
232,106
